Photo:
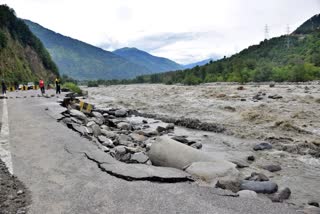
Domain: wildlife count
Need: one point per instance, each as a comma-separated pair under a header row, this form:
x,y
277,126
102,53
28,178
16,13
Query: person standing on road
x,y
58,90
4,88
41,85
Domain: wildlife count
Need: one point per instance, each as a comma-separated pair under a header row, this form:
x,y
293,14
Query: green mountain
x,y
294,57
153,63
82,61
309,26
23,57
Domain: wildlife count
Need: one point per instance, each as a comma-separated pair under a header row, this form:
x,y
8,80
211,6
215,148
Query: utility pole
x,y
288,36
266,32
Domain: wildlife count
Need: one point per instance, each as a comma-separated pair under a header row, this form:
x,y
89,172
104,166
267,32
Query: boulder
x,y
121,150
96,130
251,158
105,141
105,127
78,128
121,113
138,137
257,177
90,123
78,114
197,145
213,171
124,126
313,203
247,194
161,129
124,140
229,184
108,134
262,146
170,126
282,195
139,157
275,96
170,153
267,187
98,118
272,168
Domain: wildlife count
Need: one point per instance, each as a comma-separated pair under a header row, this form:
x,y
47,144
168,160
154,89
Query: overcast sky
x,y
183,30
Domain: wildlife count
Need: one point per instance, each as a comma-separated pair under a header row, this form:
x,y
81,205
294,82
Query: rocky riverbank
x,y
134,137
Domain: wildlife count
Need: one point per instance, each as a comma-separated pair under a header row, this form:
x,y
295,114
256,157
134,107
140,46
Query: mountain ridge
x,y
83,61
153,63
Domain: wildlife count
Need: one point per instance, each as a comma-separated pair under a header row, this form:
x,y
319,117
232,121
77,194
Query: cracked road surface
x,y
50,159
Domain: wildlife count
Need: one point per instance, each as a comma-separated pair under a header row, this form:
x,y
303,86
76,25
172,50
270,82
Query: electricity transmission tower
x,y
288,36
266,32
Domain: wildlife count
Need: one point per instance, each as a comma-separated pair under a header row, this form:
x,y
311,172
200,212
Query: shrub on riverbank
x,y
72,87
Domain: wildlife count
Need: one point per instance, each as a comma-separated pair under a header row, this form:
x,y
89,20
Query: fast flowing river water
x,y
250,116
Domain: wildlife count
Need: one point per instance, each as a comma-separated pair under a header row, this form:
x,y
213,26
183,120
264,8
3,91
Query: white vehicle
x,y
30,85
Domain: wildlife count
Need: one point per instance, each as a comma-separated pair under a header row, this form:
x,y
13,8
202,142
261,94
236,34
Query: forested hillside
x,y
82,61
23,58
294,57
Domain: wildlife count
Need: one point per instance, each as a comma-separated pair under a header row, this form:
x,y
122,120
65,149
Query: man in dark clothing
x,y
58,89
4,88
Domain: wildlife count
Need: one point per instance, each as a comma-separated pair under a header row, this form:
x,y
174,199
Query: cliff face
x,y
23,58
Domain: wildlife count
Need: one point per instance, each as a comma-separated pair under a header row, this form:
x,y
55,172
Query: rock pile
x,y
124,140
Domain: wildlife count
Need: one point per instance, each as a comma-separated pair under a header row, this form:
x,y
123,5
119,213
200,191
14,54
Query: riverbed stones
x,y
282,195
247,194
311,210
275,96
123,140
108,134
197,145
313,203
161,129
78,114
137,137
266,187
120,150
105,141
262,146
170,126
124,126
90,123
272,168
96,130
257,177
232,184
121,113
139,157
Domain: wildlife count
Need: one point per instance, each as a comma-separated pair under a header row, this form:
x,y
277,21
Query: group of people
x,y
41,85
57,83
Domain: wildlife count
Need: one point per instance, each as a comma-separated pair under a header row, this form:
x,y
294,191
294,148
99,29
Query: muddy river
x,y
286,115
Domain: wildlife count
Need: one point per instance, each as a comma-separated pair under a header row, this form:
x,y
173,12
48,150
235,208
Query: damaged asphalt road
x,y
67,174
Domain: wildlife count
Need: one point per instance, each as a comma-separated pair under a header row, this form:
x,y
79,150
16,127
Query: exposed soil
x,y
14,197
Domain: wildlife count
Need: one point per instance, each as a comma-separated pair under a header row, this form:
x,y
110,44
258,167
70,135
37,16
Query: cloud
x,y
161,40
